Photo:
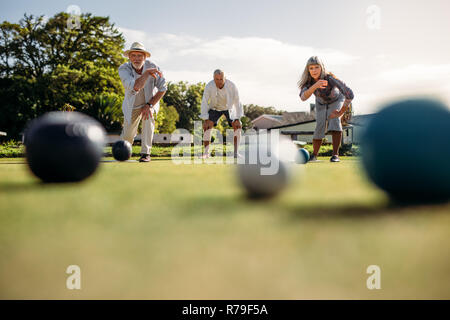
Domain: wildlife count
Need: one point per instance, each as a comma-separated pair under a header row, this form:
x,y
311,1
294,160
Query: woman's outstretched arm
x,y
308,91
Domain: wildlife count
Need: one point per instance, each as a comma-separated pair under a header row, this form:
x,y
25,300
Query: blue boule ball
x,y
406,150
304,156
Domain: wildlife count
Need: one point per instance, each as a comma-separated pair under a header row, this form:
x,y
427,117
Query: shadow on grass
x,y
158,159
239,204
363,211
102,161
132,160
10,187
37,185
1,162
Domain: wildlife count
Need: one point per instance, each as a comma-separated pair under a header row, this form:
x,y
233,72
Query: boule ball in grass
x,y
64,146
304,156
406,150
266,169
121,150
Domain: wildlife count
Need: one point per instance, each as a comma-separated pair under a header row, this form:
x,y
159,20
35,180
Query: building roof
x,y
297,117
293,124
273,117
287,118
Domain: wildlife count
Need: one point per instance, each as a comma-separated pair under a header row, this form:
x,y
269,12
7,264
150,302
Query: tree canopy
x,y
253,111
166,119
187,99
45,64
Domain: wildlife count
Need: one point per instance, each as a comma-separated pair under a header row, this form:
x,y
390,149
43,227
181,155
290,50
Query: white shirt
x,y
128,77
220,101
212,99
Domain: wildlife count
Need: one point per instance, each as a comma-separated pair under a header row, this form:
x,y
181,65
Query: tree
x,y
107,109
223,126
167,119
246,123
254,111
35,47
187,99
44,65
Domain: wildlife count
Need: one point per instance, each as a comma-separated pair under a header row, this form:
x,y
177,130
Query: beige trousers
x,y
148,128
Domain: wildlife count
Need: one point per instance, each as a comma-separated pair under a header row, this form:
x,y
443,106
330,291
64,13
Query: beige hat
x,y
138,47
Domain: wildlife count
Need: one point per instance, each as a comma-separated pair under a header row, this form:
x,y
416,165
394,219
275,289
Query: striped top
x,y
332,92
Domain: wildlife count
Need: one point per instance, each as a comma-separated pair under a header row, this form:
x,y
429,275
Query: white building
x,y
267,121
304,131
359,123
172,138
300,126
160,138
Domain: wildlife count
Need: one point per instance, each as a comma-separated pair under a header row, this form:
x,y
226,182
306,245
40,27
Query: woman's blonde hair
x,y
306,76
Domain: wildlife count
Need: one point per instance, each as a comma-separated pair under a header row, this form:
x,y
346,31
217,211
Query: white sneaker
x,y
334,159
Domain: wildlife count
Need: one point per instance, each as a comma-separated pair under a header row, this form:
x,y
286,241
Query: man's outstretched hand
x,y
153,72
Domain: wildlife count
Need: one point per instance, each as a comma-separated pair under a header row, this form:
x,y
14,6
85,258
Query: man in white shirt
x,y
144,86
221,97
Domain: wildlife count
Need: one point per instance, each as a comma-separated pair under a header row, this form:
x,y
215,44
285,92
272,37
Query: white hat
x,y
138,47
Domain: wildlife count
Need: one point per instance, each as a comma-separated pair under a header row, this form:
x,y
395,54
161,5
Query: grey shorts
x,y
323,124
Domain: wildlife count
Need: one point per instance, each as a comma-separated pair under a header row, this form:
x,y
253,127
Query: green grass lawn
x,y
165,231
14,149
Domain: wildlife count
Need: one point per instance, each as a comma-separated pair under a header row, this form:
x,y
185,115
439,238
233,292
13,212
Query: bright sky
x,y
382,49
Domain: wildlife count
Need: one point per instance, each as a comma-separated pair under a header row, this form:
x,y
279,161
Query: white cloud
x,y
417,74
431,80
265,70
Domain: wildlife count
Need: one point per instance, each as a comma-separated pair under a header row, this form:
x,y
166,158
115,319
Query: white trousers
x,y
148,128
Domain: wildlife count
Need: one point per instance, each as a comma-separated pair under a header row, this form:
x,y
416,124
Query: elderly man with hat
x,y
144,86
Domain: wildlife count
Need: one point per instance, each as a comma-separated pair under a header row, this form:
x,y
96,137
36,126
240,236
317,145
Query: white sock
x,y
207,137
237,135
